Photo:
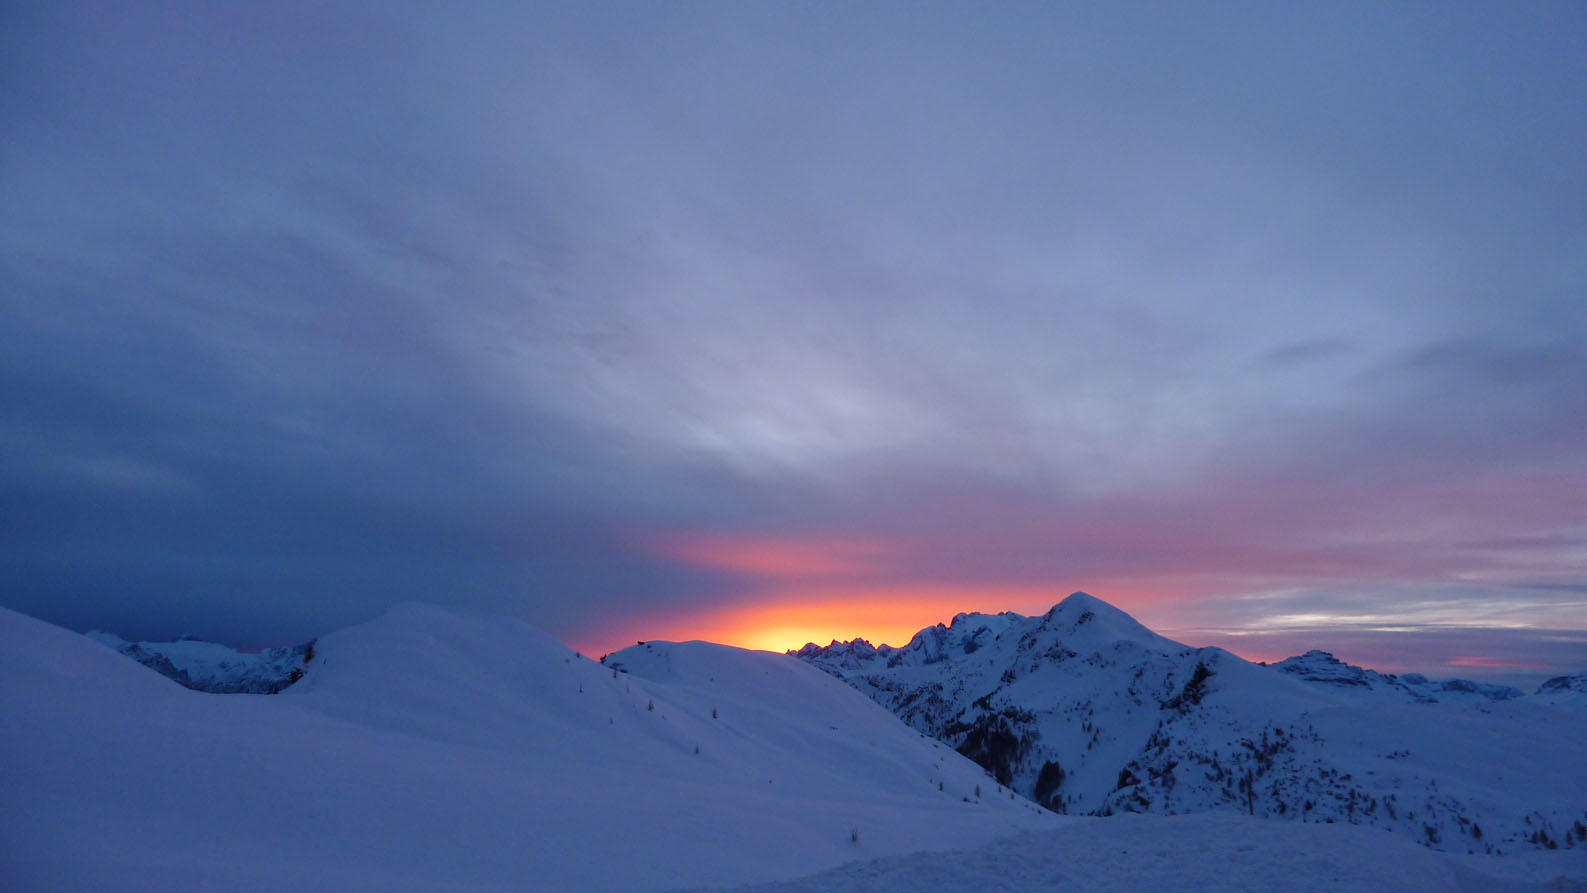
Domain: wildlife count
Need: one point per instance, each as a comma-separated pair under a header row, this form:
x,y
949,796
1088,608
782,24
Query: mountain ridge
x,y
212,667
1086,711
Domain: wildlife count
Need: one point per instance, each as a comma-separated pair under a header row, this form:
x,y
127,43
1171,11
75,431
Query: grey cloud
x,y
378,289
1302,353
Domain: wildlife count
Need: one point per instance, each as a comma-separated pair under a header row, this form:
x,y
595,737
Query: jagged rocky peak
x,y
975,620
1082,619
211,667
1321,666
857,647
1323,669
1086,711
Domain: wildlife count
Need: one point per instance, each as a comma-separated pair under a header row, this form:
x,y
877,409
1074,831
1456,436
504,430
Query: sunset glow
x,y
890,616
801,589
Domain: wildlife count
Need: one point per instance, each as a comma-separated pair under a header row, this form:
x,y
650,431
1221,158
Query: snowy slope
x,y
207,666
1201,852
432,748
1088,712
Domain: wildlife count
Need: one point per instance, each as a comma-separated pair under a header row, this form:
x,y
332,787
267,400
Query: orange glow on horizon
x,y
799,588
887,614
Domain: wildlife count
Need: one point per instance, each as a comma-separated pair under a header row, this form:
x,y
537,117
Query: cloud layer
x,y
616,318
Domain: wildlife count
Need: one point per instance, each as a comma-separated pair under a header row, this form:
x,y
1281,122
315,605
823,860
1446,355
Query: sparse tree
x,y
1048,781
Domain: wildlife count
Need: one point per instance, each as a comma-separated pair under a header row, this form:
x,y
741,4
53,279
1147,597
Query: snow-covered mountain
x,y
1086,711
434,748
207,666
1324,669
1565,691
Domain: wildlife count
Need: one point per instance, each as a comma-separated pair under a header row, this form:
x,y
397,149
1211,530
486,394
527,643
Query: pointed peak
x,y
1077,604
1082,610
1082,601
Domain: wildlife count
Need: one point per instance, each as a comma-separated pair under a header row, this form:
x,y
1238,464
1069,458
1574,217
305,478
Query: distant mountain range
x,y
1325,669
1086,711
207,666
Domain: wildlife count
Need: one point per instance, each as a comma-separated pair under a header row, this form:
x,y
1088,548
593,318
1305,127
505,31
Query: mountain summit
x,y
1080,614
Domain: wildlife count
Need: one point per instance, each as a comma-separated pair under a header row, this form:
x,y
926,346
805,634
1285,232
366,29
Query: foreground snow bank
x,y
436,749
1199,852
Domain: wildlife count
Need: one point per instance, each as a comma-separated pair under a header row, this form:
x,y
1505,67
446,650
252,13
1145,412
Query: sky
x,y
766,323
